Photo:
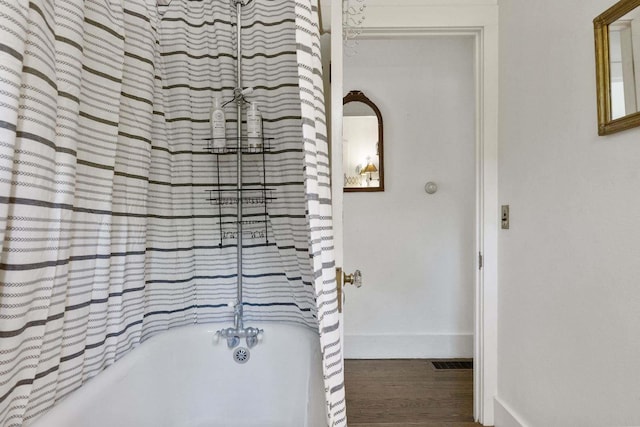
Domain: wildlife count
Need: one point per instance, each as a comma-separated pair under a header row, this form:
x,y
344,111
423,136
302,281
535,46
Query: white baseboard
x,y
415,346
504,416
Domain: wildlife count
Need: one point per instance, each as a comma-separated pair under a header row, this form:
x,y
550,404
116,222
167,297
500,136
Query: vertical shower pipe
x,y
239,309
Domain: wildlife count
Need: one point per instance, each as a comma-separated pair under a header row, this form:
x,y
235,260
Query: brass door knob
x,y
355,278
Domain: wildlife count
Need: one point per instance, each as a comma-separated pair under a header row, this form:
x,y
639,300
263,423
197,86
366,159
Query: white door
x,y
331,45
334,107
332,60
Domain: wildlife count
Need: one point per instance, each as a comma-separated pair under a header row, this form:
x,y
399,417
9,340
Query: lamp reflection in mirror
x,y
369,169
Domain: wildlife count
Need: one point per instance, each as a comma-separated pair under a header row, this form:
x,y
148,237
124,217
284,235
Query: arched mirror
x,y
617,34
363,163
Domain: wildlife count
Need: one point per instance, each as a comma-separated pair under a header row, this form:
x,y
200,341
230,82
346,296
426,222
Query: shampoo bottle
x,y
254,127
218,125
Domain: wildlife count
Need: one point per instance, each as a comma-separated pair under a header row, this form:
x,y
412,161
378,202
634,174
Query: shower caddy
x,y
256,195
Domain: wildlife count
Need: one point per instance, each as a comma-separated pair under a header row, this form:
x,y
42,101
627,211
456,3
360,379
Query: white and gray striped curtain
x,y
318,194
108,233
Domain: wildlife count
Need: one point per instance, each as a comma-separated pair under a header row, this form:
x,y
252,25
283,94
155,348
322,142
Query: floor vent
x,y
453,364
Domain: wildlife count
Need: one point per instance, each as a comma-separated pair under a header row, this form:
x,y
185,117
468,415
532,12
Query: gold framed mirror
x,y
617,41
363,153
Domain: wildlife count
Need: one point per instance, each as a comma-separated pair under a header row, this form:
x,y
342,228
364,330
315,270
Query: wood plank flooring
x,y
407,393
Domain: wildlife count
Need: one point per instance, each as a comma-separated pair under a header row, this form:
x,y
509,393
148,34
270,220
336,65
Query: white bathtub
x,y
180,378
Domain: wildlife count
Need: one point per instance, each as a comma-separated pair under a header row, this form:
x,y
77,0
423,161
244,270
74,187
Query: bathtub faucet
x,y
233,335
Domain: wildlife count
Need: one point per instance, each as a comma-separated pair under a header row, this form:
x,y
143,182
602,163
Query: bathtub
x,y
181,378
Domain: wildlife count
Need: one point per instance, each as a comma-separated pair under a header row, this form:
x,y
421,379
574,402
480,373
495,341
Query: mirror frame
x,y
607,125
359,96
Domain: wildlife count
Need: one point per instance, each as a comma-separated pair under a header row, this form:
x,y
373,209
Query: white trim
x,y
395,33
335,136
432,3
410,346
392,15
335,147
478,371
487,286
505,416
481,22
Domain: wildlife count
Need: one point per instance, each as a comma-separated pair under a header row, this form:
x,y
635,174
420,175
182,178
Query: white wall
x,y
416,251
569,289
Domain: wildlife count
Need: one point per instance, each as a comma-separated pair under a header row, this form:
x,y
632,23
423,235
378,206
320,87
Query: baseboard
x,y
504,416
415,346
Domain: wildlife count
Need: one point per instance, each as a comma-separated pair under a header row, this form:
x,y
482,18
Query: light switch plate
x,y
505,217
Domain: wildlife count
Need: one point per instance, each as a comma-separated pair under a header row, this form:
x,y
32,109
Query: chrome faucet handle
x,y
252,340
233,341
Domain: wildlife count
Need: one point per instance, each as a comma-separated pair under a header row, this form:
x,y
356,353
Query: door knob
x,y
355,279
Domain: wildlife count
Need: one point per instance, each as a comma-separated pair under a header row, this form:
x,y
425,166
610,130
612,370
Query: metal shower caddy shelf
x,y
253,195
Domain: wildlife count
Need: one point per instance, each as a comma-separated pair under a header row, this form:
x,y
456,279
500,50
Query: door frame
x,y
480,21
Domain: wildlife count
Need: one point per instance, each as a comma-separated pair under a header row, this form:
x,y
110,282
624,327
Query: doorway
x,y
482,26
416,250
481,22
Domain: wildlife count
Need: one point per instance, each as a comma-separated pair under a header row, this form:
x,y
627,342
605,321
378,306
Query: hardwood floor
x,y
407,393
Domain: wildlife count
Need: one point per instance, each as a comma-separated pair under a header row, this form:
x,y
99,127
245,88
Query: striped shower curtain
x,y
108,233
318,194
